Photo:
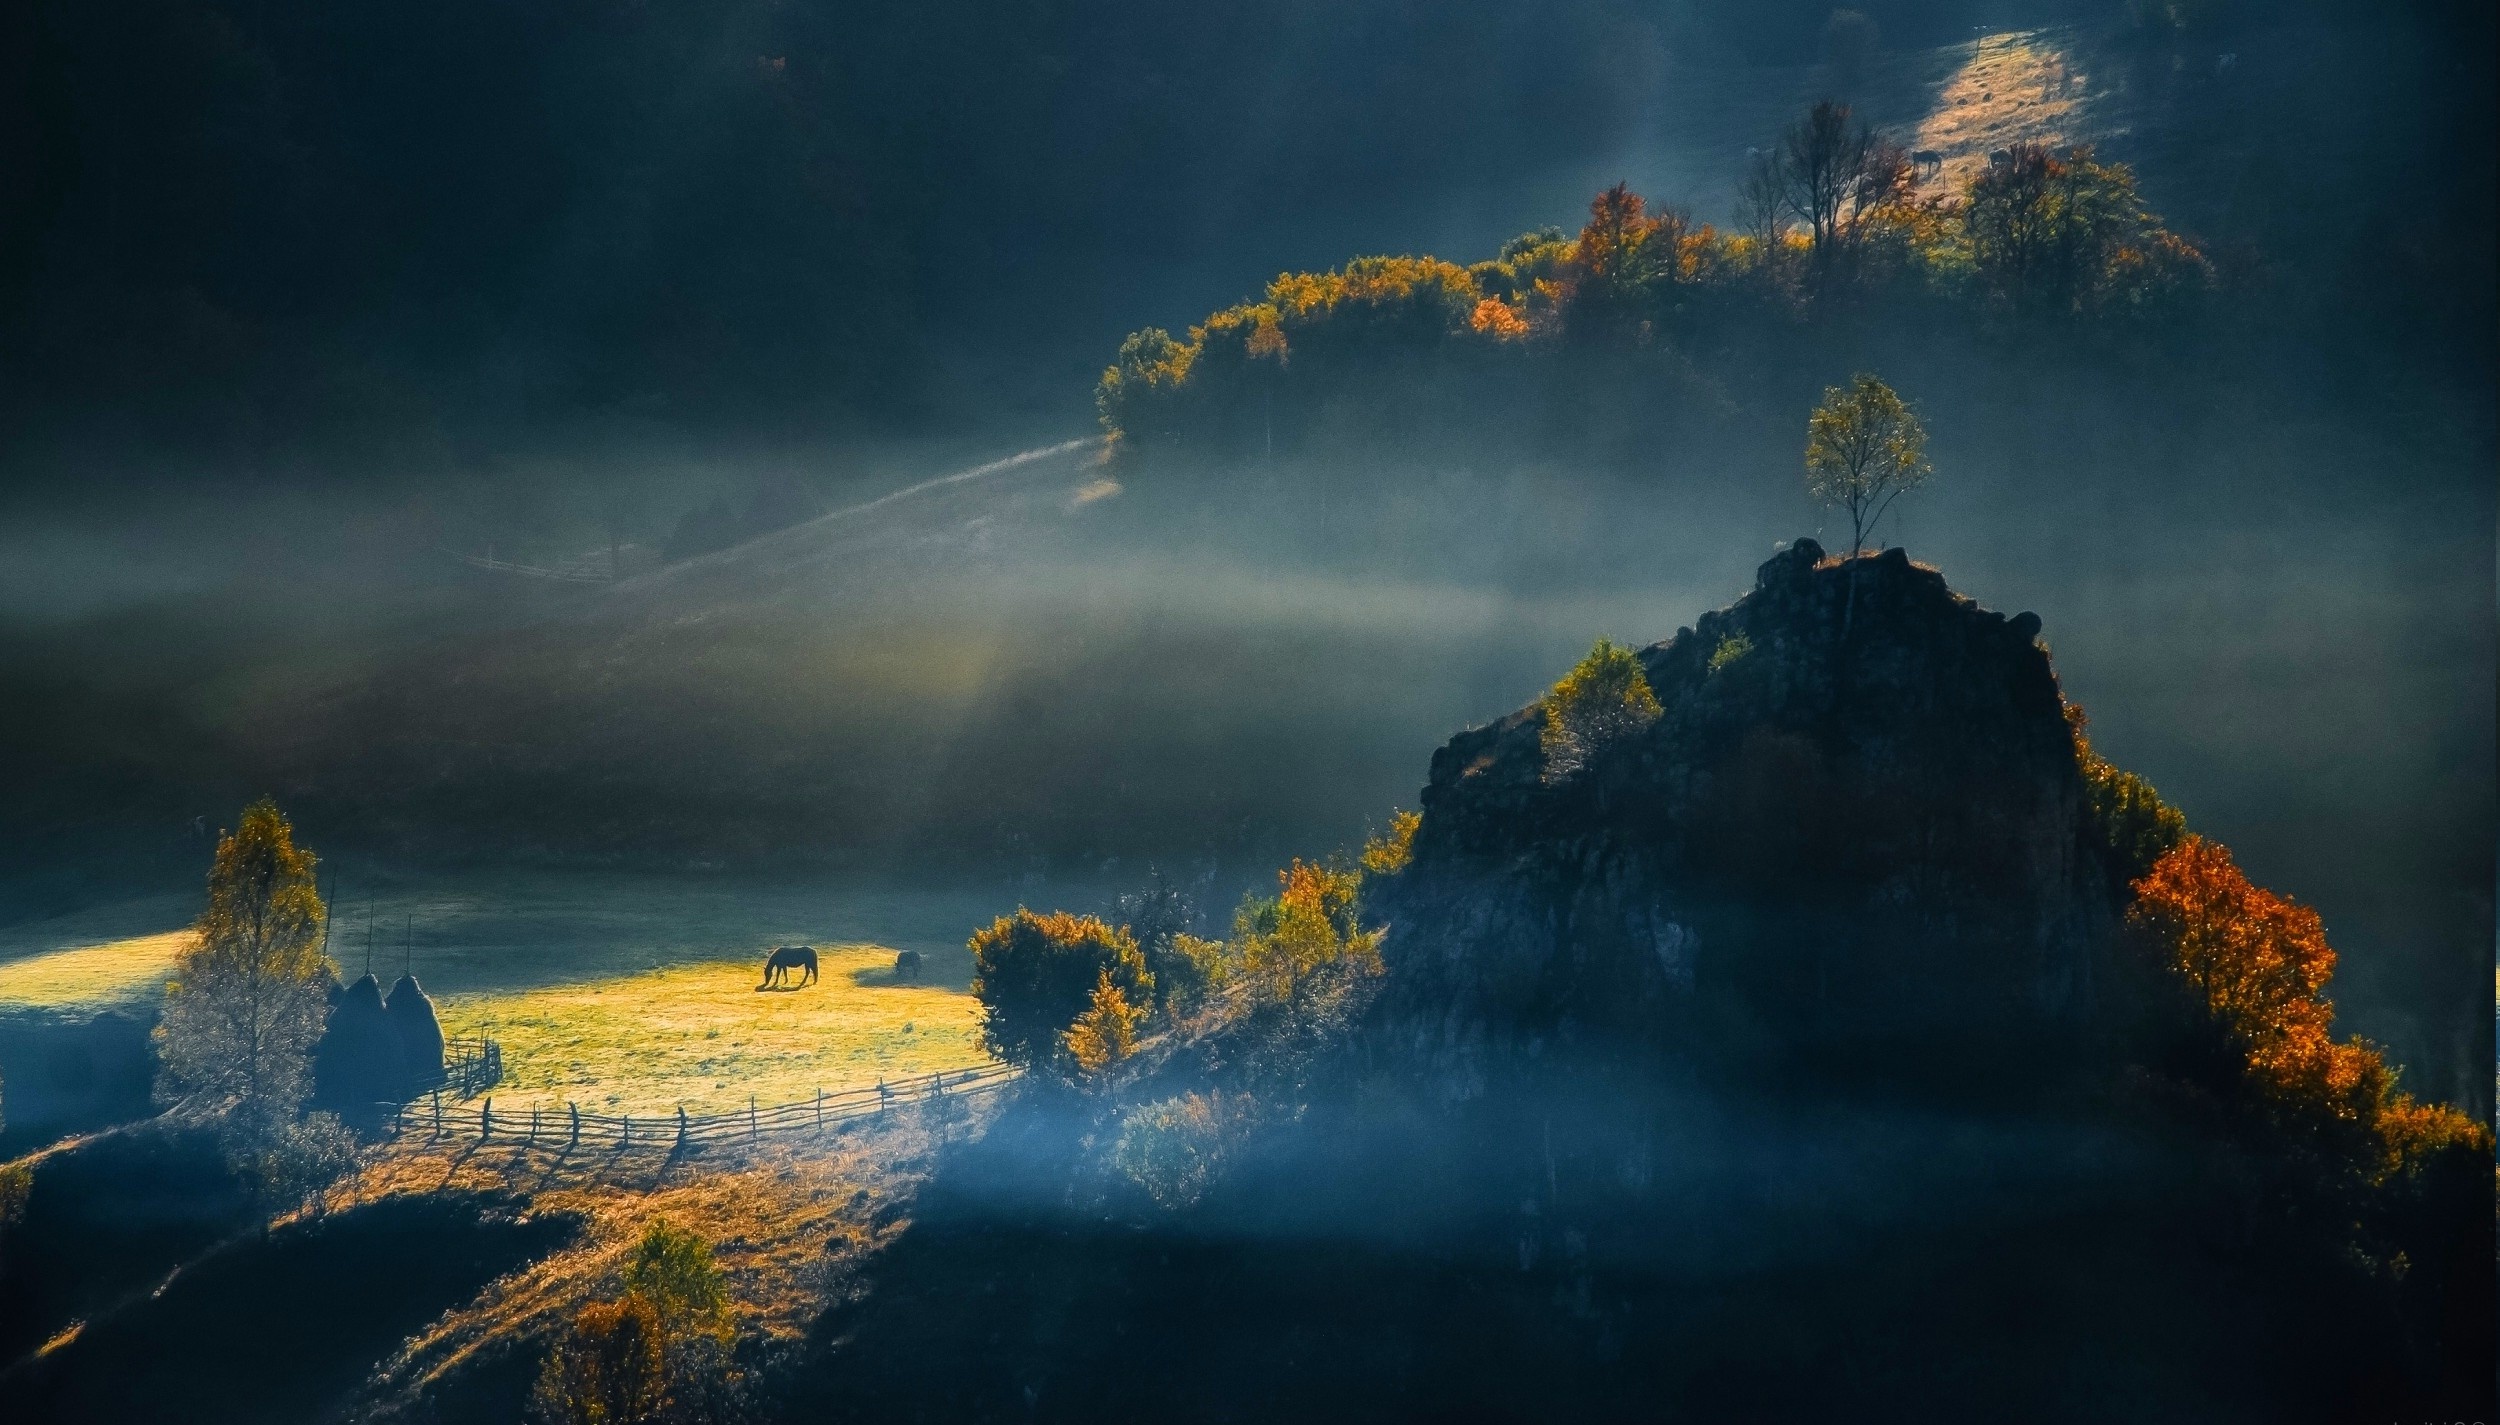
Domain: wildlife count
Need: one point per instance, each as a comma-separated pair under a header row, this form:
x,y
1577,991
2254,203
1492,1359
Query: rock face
x,y
1857,825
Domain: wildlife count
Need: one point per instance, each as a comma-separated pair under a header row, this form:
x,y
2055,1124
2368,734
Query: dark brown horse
x,y
779,964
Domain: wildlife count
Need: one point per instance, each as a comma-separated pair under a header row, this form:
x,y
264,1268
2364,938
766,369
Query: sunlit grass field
x,y
120,973
703,1036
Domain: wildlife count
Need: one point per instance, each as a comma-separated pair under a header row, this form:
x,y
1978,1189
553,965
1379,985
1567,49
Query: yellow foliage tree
x,y
1864,449
1602,701
1310,923
1106,1032
609,1369
1390,851
247,1004
249,997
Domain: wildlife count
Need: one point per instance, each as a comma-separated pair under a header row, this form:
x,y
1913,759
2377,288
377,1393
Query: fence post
x,y
438,1113
486,1119
575,1111
820,1109
532,1140
753,1132
628,1140
883,1093
681,1125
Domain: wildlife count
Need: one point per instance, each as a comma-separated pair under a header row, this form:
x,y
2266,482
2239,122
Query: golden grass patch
x,y
92,976
703,1036
791,1223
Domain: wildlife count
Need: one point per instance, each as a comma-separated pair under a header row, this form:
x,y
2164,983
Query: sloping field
x,y
91,977
702,1035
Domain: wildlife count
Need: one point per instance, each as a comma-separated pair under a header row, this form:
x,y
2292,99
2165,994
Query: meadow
x,y
86,978
703,1036
617,993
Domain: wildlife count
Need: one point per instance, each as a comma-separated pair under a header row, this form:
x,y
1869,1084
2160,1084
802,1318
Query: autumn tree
x,y
246,1007
2062,233
1106,1032
658,1354
2131,821
1832,173
1865,448
609,1369
1035,973
2255,968
1622,254
1310,924
1159,917
1390,852
1604,700
1140,389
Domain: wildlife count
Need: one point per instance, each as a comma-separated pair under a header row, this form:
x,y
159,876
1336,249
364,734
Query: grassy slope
x,y
93,977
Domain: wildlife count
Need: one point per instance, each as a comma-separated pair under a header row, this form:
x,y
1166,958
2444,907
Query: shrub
x,y
2129,819
1390,851
1604,701
1175,1148
1034,974
673,1269
1198,968
1730,649
608,1370
284,1161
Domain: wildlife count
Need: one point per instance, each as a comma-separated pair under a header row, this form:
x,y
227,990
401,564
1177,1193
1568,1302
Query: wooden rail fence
x,y
569,1125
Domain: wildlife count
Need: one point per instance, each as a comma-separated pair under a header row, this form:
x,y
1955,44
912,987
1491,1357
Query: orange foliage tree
x,y
2256,967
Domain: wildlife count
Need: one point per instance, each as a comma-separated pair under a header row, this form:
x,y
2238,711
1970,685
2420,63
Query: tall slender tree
x,y
246,1006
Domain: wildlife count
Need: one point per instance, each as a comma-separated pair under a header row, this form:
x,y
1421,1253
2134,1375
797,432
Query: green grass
x,y
703,1036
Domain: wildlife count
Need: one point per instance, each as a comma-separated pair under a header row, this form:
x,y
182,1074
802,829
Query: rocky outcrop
x,y
1856,824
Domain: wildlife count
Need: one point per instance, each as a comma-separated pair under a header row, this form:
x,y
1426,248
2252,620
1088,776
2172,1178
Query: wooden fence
x,y
569,1125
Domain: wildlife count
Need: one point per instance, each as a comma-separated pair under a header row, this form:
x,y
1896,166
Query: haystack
x,y
420,1034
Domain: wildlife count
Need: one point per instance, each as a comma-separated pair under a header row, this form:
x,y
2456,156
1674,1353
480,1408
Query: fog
x,y
2270,584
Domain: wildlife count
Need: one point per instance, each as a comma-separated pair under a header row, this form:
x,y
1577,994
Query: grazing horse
x,y
907,967
779,964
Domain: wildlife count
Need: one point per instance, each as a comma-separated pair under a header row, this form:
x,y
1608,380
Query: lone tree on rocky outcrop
x,y
246,1006
1601,702
1864,449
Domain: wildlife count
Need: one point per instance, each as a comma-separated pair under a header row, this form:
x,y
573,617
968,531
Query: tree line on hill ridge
x,y
1835,221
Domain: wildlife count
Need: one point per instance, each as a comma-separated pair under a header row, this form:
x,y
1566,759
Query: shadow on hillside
x,y
1810,1268
283,1330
